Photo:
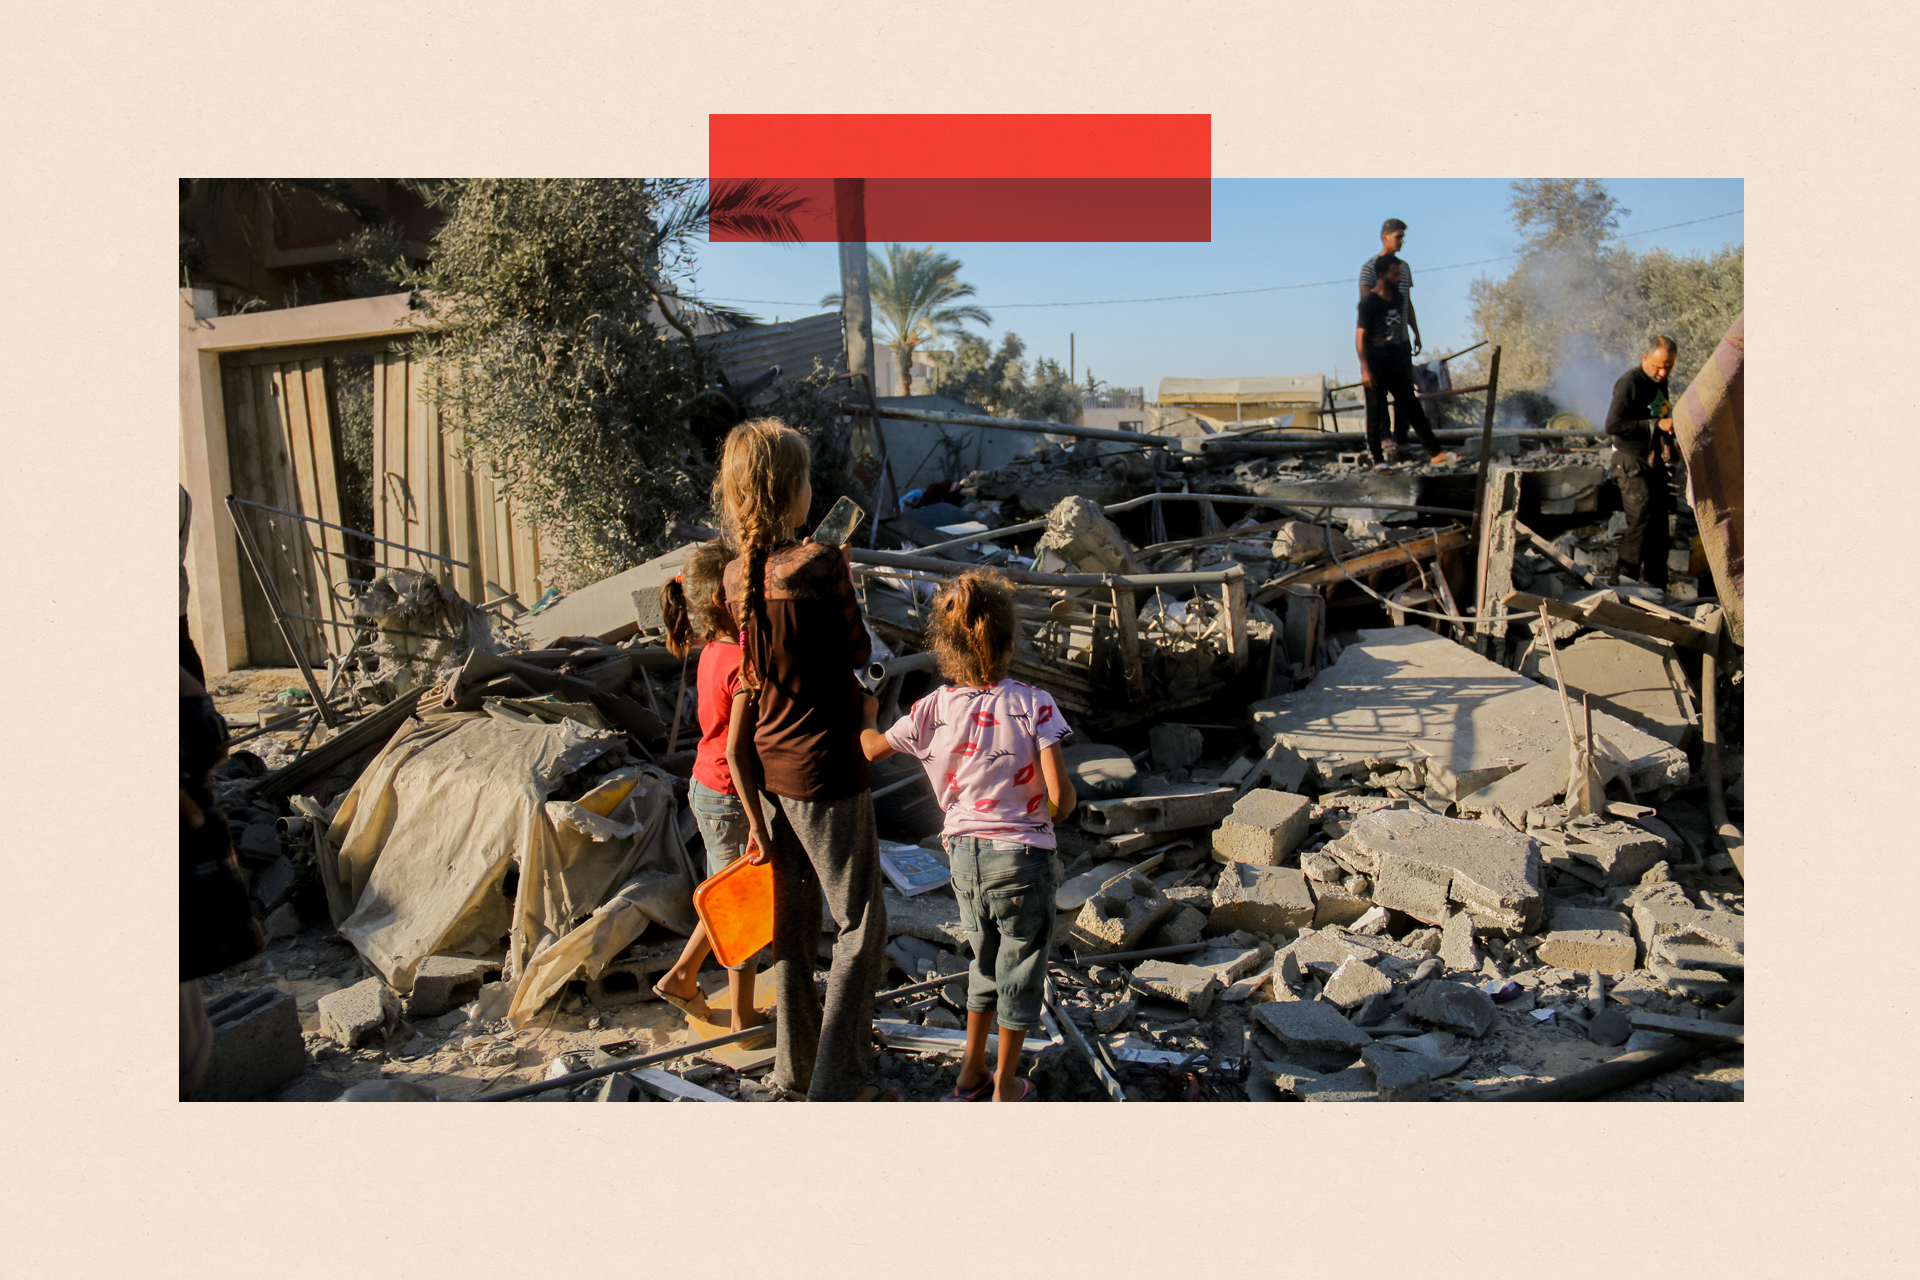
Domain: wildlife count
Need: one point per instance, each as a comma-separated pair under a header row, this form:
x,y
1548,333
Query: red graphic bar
x,y
1040,178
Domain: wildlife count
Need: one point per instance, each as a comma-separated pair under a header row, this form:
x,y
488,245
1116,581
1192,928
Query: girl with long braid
x,y
796,736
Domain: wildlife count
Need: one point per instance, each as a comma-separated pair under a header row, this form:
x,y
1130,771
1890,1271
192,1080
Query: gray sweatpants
x,y
829,845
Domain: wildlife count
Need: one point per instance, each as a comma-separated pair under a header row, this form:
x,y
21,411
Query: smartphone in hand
x,y
837,529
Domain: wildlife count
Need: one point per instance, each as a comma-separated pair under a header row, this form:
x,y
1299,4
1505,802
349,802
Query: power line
x,y
1234,293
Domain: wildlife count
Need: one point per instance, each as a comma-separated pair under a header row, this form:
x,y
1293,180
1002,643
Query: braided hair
x,y
762,468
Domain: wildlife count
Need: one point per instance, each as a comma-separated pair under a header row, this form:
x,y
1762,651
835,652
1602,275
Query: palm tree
x,y
911,291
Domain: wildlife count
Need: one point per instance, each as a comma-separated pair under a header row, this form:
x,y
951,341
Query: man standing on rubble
x,y
1640,423
1386,365
1393,234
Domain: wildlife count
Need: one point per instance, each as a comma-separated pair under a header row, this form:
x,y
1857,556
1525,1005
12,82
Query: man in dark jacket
x,y
1640,422
1386,365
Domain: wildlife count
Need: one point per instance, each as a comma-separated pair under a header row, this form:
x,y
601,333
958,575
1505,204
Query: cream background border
x,y
109,1177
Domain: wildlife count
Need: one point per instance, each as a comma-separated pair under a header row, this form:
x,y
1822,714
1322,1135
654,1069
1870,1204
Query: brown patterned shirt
x,y
807,730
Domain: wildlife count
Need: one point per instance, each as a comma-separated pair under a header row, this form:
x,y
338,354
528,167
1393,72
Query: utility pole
x,y
1071,377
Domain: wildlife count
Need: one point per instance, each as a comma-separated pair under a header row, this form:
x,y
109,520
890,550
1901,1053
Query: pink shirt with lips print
x,y
981,750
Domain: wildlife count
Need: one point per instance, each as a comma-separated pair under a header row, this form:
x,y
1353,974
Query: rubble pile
x,y
1329,848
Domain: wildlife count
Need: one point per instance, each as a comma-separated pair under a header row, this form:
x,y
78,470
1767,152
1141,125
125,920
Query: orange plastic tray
x,y
737,908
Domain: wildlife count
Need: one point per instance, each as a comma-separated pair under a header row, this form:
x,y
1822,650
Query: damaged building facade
x,y
1390,790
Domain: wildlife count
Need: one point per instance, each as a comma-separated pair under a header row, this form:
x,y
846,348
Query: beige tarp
x,y
428,833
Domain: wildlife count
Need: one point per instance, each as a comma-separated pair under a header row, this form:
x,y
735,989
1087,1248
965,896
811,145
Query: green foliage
x,y
1577,310
912,291
1002,382
552,360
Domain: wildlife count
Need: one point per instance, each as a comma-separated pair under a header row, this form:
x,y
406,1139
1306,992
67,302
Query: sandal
x,y
694,1006
982,1092
1027,1090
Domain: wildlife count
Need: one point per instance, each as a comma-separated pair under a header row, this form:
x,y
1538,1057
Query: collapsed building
x,y
1389,792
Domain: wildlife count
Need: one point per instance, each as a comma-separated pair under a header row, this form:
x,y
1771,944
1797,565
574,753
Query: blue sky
x,y
1265,232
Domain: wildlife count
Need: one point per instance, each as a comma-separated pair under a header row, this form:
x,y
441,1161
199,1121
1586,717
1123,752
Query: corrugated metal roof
x,y
1298,389
793,345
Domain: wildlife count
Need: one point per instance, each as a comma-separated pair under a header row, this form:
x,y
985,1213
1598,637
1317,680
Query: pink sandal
x,y
982,1092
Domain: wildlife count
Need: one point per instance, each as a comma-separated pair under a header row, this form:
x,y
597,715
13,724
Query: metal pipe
x,y
877,672
399,546
946,568
1120,957
1025,424
625,1064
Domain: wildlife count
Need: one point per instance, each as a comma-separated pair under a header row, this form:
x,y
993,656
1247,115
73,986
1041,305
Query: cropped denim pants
x,y
1006,903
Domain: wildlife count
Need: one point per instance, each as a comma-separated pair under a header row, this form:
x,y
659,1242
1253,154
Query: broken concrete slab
x,y
1621,851
1639,683
1080,535
1312,1032
1533,786
1404,696
1353,983
1352,1085
1609,951
1260,899
1422,862
1073,894
1690,949
1191,985
1458,1008
257,1046
1398,1076
1263,827
447,982
1160,806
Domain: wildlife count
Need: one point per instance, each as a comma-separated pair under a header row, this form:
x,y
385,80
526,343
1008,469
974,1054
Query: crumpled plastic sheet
x,y
429,831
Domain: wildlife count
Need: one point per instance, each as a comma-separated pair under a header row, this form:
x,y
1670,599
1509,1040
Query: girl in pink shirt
x,y
991,747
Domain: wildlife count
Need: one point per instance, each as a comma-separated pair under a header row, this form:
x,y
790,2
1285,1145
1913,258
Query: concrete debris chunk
x,y
1264,827
1080,534
1621,851
447,982
1322,869
1610,951
1174,746
1689,949
1101,772
1352,1085
354,1015
1191,985
1338,904
1353,982
1424,862
1372,922
1113,1016
1400,1077
1160,806
257,1046
1119,916
1458,1008
1186,926
1260,899
1312,1032
1456,943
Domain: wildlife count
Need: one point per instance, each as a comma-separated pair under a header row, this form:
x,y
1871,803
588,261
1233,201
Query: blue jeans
x,y
1006,903
722,820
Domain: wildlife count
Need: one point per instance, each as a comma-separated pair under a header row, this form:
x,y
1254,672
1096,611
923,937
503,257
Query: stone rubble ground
x,y
1354,929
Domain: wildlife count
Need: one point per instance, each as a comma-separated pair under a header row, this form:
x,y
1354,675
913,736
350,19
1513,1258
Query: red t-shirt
x,y
718,678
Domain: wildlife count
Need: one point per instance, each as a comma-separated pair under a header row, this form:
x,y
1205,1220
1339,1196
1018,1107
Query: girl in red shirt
x,y
695,605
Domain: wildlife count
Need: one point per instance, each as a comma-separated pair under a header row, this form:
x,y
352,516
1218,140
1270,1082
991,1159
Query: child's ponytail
x,y
673,610
973,627
693,604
